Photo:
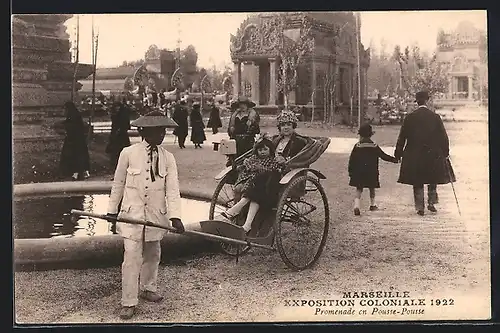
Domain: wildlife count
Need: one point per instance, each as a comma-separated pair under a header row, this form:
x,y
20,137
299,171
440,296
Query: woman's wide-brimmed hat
x,y
242,100
366,130
287,116
154,119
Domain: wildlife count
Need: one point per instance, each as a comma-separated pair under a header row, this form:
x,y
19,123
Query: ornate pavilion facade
x,y
464,52
256,60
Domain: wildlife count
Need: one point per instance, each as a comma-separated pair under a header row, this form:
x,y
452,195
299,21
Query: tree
x,y
418,72
382,74
217,77
134,63
402,60
432,77
293,46
189,58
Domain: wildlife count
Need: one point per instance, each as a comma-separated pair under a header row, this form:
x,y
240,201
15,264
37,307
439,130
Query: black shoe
x,y
357,212
432,208
373,208
151,296
420,212
127,312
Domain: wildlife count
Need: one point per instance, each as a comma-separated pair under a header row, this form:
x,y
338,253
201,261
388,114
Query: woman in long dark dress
x,y
180,116
75,159
118,139
197,126
214,122
244,124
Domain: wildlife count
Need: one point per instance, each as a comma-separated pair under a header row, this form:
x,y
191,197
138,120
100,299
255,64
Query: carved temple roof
x,y
258,35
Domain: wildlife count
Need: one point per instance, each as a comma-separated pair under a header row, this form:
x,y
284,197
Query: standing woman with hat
x,y
147,186
197,126
75,159
288,143
118,138
244,124
424,148
180,116
214,122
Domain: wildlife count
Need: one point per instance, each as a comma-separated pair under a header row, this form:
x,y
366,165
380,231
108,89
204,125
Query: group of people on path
x,y
146,183
181,114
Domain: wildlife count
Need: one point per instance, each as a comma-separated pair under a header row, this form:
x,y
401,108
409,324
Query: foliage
x,y
217,77
189,58
382,75
419,72
433,78
134,63
293,46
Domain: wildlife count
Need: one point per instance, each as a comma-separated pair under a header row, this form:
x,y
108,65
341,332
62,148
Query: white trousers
x,y
139,269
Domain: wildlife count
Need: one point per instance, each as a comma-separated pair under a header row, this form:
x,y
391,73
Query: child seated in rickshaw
x,y
252,179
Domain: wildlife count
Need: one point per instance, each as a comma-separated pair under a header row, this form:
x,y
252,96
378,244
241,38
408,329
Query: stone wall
x,y
42,71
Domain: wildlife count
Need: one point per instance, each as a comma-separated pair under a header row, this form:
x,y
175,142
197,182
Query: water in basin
x,y
47,217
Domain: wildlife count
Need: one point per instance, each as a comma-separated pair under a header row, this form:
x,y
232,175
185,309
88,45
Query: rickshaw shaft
x,y
186,232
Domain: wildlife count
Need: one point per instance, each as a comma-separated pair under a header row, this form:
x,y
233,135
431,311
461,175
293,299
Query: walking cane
x,y
452,186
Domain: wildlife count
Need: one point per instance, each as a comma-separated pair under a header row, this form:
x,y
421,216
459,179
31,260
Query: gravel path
x,y
444,255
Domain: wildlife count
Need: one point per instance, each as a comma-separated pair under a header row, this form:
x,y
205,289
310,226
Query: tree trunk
x,y
325,97
332,103
333,93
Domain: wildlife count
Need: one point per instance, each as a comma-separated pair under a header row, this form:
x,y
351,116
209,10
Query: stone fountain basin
x,y
98,250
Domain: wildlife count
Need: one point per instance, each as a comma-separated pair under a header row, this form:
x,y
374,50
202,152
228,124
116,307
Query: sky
x,y
128,36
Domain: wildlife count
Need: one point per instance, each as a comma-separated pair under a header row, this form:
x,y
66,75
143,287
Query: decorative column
x,y
272,81
450,88
255,84
455,85
237,79
469,78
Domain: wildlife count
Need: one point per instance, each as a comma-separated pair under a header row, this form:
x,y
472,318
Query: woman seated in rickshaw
x,y
288,143
261,189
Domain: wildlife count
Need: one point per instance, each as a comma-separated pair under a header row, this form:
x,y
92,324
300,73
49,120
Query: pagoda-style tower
x,y
42,71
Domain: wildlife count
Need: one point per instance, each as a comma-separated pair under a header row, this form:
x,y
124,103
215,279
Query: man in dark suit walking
x,y
424,147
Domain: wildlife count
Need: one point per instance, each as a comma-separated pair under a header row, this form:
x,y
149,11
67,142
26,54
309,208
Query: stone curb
x,y
96,251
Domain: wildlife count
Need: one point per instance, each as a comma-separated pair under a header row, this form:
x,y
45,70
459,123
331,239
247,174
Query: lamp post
x,y
359,69
77,56
95,43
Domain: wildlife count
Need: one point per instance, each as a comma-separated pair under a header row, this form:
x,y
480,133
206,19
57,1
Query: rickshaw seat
x,y
222,228
307,156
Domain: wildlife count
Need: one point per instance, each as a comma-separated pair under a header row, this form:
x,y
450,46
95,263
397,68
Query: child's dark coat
x,y
363,164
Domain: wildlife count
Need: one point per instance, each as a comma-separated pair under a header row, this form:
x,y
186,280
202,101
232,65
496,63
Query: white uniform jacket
x,y
143,199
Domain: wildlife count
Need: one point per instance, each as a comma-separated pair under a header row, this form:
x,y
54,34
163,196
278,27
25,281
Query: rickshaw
x,y
297,226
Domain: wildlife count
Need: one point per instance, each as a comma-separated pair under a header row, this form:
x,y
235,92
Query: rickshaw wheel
x,y
294,219
224,192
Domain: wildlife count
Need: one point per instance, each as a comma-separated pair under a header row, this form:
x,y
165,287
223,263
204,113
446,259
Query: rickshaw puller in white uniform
x,y
147,185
